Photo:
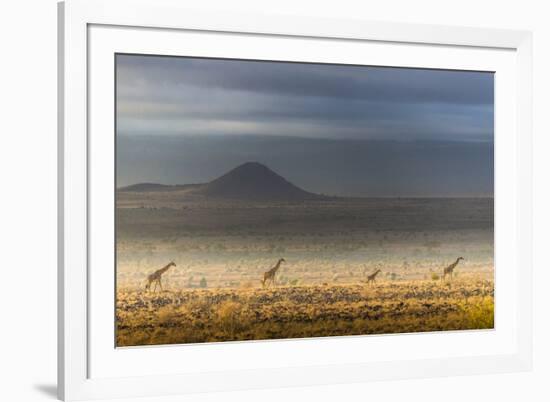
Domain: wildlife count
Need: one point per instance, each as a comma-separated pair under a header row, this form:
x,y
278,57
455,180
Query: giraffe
x,y
157,275
449,270
270,275
372,277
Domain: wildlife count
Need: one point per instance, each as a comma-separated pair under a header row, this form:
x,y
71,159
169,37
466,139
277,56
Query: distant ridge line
x,y
156,187
249,181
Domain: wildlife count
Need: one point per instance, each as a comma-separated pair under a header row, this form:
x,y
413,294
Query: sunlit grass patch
x,y
212,315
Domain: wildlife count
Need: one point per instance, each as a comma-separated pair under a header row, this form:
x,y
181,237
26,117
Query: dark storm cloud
x,y
337,81
351,130
190,96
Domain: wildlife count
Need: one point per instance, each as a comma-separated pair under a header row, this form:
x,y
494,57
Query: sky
x,y
332,129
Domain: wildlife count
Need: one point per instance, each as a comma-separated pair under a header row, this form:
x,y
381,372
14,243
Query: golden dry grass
x,y
249,313
223,248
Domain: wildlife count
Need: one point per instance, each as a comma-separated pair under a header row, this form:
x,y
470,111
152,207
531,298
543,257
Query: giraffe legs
x,y
267,281
445,273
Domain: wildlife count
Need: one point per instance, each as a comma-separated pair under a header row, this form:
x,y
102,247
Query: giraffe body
x,y
372,277
156,277
449,270
269,276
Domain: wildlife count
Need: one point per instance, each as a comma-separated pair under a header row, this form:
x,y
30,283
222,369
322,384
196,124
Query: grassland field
x,y
222,248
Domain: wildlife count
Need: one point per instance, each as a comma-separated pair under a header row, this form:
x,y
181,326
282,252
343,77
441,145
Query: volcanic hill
x,y
249,181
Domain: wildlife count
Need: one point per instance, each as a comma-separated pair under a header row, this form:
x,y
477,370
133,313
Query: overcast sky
x,y
344,130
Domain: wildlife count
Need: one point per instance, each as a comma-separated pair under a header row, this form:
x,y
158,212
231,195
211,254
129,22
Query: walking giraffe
x,y
270,275
372,277
449,270
157,275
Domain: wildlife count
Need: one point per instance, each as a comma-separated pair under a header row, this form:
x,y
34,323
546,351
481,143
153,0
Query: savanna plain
x,y
217,289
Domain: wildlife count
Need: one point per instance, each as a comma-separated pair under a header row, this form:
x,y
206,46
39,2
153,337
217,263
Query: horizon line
x,y
323,194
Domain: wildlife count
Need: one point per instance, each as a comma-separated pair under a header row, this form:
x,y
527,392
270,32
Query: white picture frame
x,y
90,369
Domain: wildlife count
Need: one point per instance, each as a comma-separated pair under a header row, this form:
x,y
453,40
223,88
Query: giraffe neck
x,y
164,269
276,267
453,265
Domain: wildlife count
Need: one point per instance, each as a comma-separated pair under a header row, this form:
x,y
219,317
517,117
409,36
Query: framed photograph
x,y
255,201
